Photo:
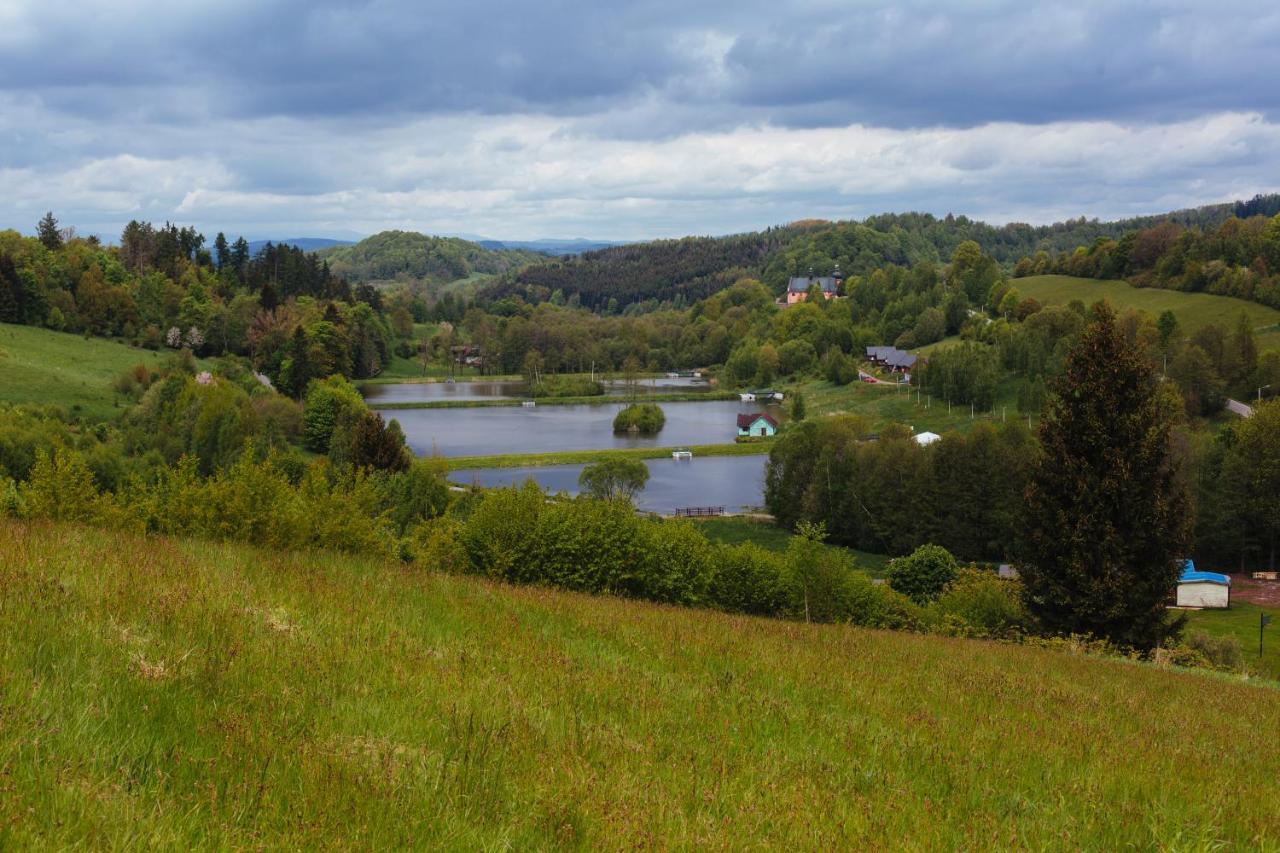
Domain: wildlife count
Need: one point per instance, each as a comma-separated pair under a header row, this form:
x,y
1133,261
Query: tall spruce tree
x,y
1106,516
49,232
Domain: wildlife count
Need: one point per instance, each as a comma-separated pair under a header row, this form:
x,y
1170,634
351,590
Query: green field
x,y
1241,622
884,405
1192,309
173,694
46,367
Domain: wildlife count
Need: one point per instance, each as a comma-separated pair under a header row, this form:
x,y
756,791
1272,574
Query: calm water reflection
x,y
421,392
417,392
515,429
734,482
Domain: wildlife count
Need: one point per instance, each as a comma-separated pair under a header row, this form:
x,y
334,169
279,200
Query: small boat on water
x,y
681,453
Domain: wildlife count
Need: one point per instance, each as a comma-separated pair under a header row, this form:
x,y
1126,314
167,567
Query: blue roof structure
x,y
1190,575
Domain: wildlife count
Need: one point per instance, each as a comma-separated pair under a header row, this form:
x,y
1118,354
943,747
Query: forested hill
x,y
410,255
683,271
678,271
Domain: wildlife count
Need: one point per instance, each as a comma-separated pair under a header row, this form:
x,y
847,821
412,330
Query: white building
x,y
926,438
1203,589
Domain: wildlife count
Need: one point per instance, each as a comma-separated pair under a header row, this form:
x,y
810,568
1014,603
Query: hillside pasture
x,y
179,694
44,367
1193,310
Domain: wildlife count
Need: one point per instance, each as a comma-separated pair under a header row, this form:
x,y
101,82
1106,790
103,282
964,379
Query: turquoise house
x,y
757,426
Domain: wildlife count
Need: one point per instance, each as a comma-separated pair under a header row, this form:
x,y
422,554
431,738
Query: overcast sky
x,y
626,120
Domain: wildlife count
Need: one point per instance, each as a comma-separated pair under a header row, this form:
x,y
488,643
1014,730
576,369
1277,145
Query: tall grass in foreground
x,y
175,693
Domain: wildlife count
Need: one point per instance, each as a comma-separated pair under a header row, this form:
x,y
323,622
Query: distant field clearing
x,y
1193,310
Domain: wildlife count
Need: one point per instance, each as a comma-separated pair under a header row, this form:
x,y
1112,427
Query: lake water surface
x,y
733,482
472,391
542,429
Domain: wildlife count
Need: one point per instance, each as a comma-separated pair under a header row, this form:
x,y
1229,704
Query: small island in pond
x,y
640,419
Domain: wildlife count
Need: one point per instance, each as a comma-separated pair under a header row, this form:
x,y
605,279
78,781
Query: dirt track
x,y
1245,588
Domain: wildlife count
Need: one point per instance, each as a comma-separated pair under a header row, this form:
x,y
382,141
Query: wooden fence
x,y
695,511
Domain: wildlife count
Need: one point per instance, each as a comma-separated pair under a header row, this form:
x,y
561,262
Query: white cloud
x,y
529,176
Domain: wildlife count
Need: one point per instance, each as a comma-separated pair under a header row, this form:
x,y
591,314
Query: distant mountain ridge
x,y
552,247
306,244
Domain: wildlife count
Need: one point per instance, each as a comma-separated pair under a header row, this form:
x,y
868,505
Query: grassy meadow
x,y
41,366
178,694
884,405
1193,310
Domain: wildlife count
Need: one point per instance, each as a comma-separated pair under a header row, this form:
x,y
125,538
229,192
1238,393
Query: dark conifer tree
x,y
300,364
221,251
268,299
1105,520
49,232
240,255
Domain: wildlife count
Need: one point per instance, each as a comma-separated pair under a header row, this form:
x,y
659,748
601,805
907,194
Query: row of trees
x,y
282,307
1239,257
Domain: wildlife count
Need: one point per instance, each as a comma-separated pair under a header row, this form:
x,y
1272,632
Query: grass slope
x,y
159,693
1193,310
882,405
41,366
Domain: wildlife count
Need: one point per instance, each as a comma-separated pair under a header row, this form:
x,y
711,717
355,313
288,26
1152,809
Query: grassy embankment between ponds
x,y
578,457
43,367
594,400
173,693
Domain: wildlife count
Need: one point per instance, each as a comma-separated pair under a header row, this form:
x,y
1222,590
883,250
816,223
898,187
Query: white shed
x,y
927,438
1203,589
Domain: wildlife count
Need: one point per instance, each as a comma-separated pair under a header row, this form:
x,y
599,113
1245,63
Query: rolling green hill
x,y
408,254
180,694
1192,309
45,367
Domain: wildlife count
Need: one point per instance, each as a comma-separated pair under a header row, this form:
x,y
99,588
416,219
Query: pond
x,y
543,428
419,392
472,391
733,482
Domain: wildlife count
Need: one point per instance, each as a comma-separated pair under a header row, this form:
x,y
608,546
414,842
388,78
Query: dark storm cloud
x,y
627,119
799,64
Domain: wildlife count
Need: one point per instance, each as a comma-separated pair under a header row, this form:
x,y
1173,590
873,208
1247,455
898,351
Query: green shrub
x,y
923,574
978,603
611,479
641,418
1222,653
329,402
748,579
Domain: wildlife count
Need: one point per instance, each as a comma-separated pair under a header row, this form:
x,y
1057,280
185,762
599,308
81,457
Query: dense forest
x,y
676,273
410,256
673,272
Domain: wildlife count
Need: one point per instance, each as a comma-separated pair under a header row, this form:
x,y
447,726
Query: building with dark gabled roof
x,y
798,286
